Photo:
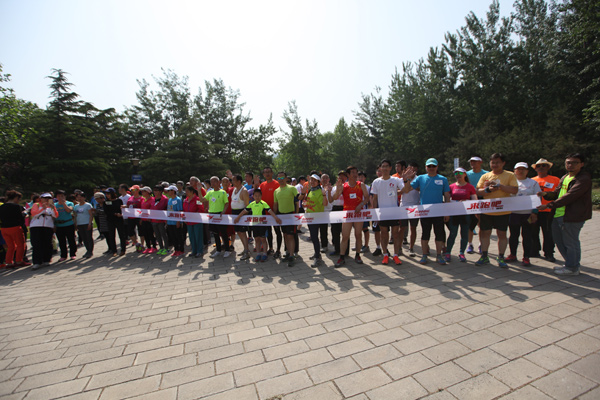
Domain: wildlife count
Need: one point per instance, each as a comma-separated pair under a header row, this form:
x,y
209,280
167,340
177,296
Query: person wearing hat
x,y
547,183
433,189
101,221
160,231
65,226
133,224
460,191
495,184
474,174
315,201
84,214
41,230
175,229
146,229
114,216
520,222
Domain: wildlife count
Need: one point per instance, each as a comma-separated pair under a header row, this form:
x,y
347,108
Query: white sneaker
x,y
226,254
35,266
215,254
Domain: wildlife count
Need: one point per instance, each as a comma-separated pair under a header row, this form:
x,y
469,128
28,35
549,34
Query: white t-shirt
x,y
527,187
387,191
411,198
124,200
339,201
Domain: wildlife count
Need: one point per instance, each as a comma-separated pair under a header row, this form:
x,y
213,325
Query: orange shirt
x,y
547,184
268,190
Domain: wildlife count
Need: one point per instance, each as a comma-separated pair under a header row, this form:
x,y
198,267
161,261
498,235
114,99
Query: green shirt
x,y
560,211
258,208
314,203
284,197
217,199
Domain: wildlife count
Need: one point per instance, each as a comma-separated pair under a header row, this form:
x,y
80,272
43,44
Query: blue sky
x,y
322,54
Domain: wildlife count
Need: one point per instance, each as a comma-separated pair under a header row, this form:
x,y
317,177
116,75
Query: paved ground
x,y
156,328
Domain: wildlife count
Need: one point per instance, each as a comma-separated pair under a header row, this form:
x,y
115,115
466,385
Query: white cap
x,y
317,177
464,171
172,187
46,196
521,165
475,159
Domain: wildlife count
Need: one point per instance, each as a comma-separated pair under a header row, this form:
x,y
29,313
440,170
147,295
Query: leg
x,y
440,234
526,232
314,237
464,234
571,242
453,228
426,225
323,234
70,233
385,237
346,229
397,239
515,231
47,246
62,241
358,236
336,230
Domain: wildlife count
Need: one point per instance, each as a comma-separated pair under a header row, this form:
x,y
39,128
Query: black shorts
x,y
414,222
376,227
288,229
390,223
474,221
438,228
132,223
237,227
259,231
498,222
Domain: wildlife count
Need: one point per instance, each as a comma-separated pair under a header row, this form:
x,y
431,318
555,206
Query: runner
x,y
410,199
433,188
385,195
315,202
572,202
375,224
460,191
239,202
520,221
160,231
195,230
65,227
326,186
114,216
362,178
256,208
268,188
544,221
146,224
355,196
228,188
285,201
337,205
474,175
84,216
216,200
133,224
175,229
497,183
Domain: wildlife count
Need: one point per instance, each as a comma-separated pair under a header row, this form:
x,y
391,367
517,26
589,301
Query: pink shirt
x,y
461,193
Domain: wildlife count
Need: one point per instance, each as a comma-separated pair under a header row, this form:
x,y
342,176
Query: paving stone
x,y
415,343
250,375
333,369
527,392
544,335
564,384
551,357
441,376
189,374
588,367
239,362
480,361
285,350
514,347
376,356
205,387
480,387
170,364
479,340
323,391
265,342
115,377
445,352
306,360
362,381
243,393
580,344
58,389
283,384
326,339
407,388
349,347
518,372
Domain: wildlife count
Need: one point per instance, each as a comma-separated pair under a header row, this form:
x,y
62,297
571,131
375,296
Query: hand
x,y
540,194
229,174
178,224
533,218
328,187
278,220
90,227
358,208
123,206
339,183
237,219
446,219
408,174
542,207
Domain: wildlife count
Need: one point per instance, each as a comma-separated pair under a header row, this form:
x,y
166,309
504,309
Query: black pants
x,y
519,224
41,243
147,231
336,232
121,230
314,237
177,236
279,237
86,236
323,234
220,233
544,222
66,234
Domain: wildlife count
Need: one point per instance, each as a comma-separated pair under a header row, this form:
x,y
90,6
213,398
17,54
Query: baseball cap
x,y
464,171
110,190
46,196
431,161
475,159
172,187
146,189
135,187
521,165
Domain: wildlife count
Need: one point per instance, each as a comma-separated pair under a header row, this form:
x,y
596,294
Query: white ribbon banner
x,y
505,204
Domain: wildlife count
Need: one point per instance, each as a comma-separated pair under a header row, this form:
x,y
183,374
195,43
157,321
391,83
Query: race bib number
x,y
198,202
213,199
548,185
391,194
352,195
438,182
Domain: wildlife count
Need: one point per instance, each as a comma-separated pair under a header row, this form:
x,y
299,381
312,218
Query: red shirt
x,y
353,196
228,206
193,205
147,205
161,204
268,191
460,193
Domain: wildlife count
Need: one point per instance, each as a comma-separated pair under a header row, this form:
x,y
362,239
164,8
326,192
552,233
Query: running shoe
x,y
339,263
526,262
364,249
423,260
215,254
357,259
23,264
377,252
245,255
147,251
316,263
290,261
257,258
264,258
511,258
462,258
62,259
441,259
566,271
447,257
397,260
411,252
226,254
73,258
502,262
470,249
386,259
277,254
483,260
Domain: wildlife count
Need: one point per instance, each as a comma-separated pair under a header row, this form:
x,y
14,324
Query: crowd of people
x,y
69,219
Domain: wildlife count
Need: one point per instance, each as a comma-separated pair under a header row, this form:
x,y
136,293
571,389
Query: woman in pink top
x,y
41,230
192,203
146,229
460,191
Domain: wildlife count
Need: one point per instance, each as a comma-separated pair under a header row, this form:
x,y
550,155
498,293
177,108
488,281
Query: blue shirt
x,y
475,176
174,205
64,218
431,189
82,213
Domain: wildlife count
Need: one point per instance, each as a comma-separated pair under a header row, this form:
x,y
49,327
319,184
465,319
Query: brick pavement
x,y
150,327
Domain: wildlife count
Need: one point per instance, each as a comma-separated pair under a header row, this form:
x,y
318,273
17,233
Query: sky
x,y
322,54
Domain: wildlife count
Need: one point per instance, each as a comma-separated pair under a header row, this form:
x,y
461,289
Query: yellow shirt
x,y
505,178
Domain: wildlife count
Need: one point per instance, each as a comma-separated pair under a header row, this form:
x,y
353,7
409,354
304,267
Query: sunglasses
x,y
280,178
431,166
459,173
